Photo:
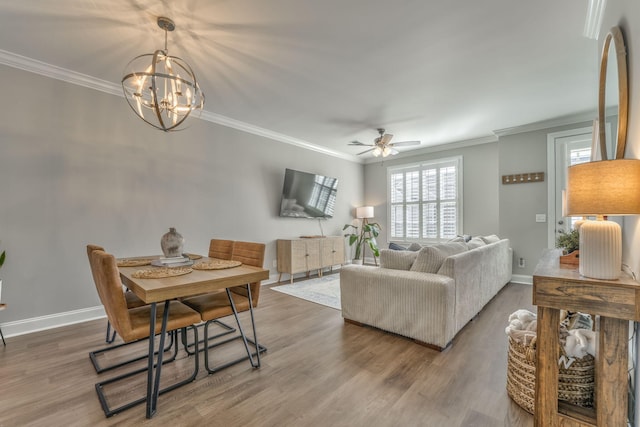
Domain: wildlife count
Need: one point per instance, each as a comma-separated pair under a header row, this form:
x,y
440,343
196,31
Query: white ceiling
x,y
329,72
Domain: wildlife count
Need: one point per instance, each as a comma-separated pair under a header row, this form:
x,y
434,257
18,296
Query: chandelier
x,y
161,89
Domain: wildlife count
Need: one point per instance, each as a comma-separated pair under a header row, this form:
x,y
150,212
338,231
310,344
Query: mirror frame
x,y
615,35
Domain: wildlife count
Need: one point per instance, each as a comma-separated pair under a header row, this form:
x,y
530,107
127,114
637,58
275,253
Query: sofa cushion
x,y
490,239
414,247
475,242
430,258
396,247
397,260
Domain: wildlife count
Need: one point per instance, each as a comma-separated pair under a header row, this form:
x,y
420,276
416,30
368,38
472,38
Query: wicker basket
x,y
575,383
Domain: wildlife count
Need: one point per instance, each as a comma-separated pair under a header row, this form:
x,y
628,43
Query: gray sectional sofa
x,y
428,295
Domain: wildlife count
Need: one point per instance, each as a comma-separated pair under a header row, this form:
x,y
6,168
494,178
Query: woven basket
x,y
575,383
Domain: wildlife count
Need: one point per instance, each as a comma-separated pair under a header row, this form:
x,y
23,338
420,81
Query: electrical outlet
x,y
521,263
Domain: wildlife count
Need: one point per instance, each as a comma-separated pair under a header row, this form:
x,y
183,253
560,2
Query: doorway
x,y
564,149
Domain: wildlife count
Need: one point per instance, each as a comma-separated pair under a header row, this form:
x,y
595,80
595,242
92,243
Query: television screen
x,y
307,195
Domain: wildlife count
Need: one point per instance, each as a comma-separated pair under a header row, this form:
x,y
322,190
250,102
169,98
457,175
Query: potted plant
x,y
367,235
570,243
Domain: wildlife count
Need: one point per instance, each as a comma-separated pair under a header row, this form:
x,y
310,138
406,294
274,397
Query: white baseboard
x,y
522,279
42,323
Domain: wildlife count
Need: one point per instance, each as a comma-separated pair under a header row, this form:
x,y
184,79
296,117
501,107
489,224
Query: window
x,y
425,201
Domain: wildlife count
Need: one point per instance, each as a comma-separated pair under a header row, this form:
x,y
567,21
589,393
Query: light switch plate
x,y
541,218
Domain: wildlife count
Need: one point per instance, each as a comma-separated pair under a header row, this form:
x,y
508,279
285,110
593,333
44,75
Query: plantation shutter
x,y
425,201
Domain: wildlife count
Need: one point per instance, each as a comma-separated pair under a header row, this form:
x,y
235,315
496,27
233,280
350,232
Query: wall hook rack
x,y
523,178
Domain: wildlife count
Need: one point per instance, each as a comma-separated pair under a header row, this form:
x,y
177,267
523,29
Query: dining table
x,y
162,290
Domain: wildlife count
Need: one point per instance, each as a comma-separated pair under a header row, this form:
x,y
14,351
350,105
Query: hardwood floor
x,y
318,371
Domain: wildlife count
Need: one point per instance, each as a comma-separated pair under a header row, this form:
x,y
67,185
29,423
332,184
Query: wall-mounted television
x,y
308,195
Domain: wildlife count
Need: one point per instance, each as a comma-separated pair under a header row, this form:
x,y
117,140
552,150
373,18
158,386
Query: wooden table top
x,y
563,287
194,283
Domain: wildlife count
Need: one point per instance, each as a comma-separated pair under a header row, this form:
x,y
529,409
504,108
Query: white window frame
x,y
427,164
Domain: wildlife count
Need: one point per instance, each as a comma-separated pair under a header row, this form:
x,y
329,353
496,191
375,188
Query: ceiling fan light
x,y
377,151
386,151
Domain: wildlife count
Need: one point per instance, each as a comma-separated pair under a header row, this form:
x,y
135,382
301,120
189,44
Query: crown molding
x,y
69,76
436,148
38,67
572,119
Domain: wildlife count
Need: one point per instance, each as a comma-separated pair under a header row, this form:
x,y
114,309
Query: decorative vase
x,y
172,244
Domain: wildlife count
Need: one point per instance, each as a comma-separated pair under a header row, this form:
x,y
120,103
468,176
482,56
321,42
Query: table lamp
x,y
608,187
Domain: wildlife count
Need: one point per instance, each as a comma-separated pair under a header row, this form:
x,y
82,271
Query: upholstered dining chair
x,y
220,248
133,324
132,302
132,299
216,305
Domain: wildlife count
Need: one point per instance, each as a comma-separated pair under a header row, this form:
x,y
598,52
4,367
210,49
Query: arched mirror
x,y
613,96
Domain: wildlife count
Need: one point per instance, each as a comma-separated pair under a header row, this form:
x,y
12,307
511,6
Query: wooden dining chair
x,y
216,305
133,324
132,299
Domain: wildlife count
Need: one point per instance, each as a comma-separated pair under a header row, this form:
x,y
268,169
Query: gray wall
x,y
519,203
77,166
480,181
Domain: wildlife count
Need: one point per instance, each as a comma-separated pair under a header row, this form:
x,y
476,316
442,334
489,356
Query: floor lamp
x,y
365,213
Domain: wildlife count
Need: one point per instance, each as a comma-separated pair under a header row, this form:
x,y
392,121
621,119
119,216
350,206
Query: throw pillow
x,y
396,247
430,258
476,242
490,239
414,247
397,260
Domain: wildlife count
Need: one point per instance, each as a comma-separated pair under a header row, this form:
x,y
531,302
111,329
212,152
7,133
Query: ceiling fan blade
x,y
404,143
394,151
384,139
366,151
358,143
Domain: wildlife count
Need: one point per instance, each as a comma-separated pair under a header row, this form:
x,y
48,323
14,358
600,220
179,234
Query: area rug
x,y
323,290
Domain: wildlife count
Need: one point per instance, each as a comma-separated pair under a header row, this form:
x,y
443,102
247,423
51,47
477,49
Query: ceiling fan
x,y
382,145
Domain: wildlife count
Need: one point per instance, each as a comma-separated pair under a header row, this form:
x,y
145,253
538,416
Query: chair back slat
x,y
221,249
249,253
107,279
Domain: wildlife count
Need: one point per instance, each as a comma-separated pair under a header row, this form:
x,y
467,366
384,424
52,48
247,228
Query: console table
x,y
615,302
306,254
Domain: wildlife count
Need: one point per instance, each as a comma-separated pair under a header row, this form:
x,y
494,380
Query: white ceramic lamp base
x,y
600,250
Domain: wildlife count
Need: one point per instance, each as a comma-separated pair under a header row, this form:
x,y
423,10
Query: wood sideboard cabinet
x,y
613,303
307,254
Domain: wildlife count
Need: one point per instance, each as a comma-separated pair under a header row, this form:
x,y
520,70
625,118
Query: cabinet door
x,y
313,254
298,256
332,251
338,251
326,245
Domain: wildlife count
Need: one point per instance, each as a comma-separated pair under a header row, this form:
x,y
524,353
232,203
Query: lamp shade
x,y
364,212
609,187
